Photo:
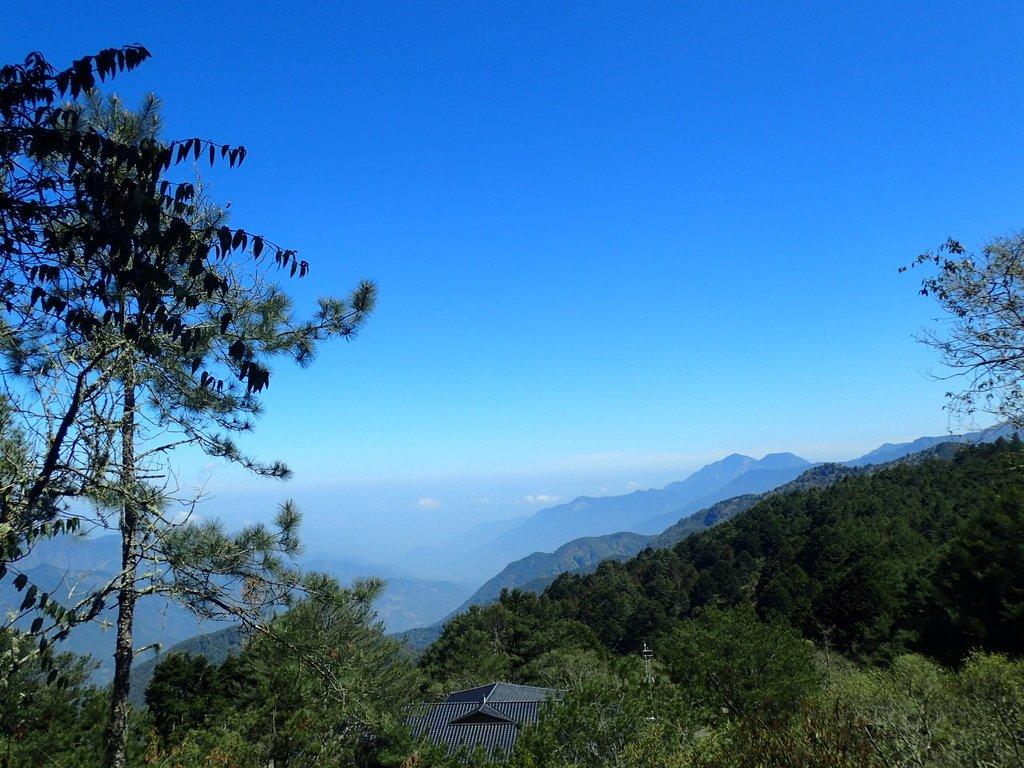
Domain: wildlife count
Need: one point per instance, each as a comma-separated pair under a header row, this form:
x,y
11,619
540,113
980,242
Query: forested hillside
x,y
915,557
582,556
918,557
867,623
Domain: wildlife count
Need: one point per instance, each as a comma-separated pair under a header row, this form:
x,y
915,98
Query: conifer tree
x,y
135,321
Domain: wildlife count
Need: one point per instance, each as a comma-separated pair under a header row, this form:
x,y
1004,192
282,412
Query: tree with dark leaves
x,y
134,321
981,339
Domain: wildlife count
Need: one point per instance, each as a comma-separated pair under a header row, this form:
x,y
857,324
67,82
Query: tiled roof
x,y
482,713
487,717
505,692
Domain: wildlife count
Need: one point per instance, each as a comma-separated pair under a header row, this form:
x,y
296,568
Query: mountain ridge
x,y
539,569
601,515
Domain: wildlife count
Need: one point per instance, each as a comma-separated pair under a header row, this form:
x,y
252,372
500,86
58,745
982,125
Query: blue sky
x,y
614,241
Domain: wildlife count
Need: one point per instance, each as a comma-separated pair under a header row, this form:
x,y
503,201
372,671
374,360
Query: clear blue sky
x,y
614,241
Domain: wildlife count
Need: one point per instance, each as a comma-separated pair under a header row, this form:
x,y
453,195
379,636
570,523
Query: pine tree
x,y
136,321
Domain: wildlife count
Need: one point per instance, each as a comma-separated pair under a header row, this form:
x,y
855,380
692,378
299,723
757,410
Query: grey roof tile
x,y
487,717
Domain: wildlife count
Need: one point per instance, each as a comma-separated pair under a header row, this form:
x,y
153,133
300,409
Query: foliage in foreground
x,y
323,686
261,706
912,713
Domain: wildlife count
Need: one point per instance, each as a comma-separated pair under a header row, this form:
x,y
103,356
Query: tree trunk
x,y
117,737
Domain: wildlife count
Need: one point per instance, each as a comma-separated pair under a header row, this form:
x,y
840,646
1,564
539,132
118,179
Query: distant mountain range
x,y
735,473
72,565
156,620
527,553
406,601
892,451
648,511
536,571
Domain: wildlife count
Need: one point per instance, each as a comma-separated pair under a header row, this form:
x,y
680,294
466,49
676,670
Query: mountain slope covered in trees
x,y
580,556
918,557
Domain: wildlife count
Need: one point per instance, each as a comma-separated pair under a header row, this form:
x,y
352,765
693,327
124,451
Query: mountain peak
x,y
732,458
782,460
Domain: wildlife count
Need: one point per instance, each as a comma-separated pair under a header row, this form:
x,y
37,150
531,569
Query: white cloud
x,y
483,500
428,503
632,485
540,498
